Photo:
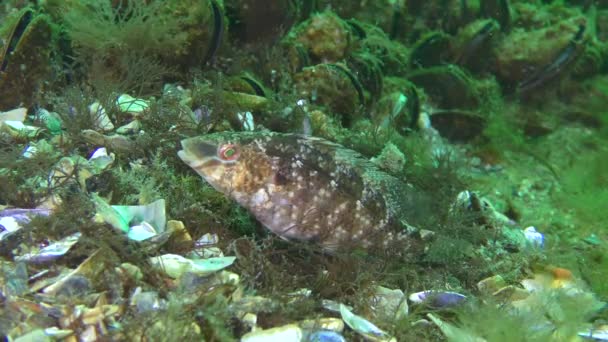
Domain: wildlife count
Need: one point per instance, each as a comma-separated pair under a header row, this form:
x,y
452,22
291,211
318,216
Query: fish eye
x,y
228,152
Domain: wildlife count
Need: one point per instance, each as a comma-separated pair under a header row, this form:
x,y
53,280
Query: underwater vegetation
x,y
303,170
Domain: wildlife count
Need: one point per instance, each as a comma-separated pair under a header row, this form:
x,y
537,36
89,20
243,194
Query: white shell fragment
x,y
437,299
8,225
176,265
286,333
535,238
141,232
153,213
52,251
17,114
140,222
246,119
325,336
102,120
363,326
11,220
19,129
131,105
207,240
100,160
599,334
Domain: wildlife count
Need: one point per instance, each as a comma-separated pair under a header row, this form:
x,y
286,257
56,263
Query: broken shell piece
x,y
286,333
363,326
140,222
153,213
325,336
511,294
246,119
57,333
69,168
52,251
102,120
491,284
176,265
18,129
48,334
105,213
597,334
36,147
100,160
179,233
388,303
535,238
17,114
332,305
91,269
131,105
8,225
11,220
207,240
141,232
130,128
147,301
437,299
325,324
554,278
115,142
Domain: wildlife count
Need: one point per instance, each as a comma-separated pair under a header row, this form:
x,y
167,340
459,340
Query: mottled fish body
x,y
304,188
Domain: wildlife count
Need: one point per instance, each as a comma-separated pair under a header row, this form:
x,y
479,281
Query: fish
x,y
306,188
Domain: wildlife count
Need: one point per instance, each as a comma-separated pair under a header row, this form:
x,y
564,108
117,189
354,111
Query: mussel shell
x,y
246,24
475,51
498,10
432,49
368,71
354,80
448,86
15,36
218,32
333,86
247,84
458,126
25,64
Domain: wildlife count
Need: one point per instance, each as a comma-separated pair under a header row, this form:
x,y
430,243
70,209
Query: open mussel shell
x,y
24,62
458,126
398,110
334,86
447,86
297,57
473,45
246,26
369,72
431,50
247,84
498,10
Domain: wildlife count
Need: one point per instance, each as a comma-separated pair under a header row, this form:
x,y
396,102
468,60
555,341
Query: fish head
x,y
233,164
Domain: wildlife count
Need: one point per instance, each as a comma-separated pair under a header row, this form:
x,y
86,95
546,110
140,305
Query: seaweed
x,y
97,28
548,315
23,181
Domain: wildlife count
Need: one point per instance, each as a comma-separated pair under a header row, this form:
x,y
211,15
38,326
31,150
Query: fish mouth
x,y
197,150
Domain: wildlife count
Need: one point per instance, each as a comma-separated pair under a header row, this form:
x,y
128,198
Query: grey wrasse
x,y
305,188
